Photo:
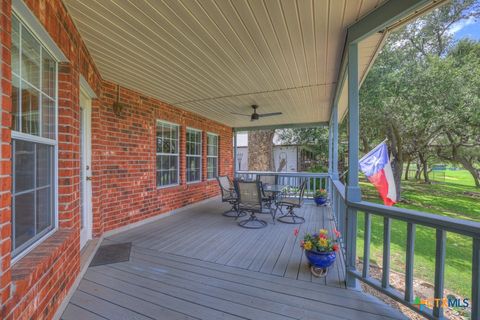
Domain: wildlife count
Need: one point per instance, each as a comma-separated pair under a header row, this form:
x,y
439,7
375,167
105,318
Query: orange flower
x,y
335,247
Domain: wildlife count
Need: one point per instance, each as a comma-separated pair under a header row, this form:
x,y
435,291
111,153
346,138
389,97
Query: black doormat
x,y
112,253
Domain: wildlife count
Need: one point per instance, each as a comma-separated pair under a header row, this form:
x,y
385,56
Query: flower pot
x,y
320,201
320,261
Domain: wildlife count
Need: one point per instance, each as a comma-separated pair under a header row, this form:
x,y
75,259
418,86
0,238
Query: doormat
x,y
112,253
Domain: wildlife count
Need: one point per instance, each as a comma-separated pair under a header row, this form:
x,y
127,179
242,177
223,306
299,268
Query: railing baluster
x,y
410,252
386,252
334,208
351,246
475,303
308,185
440,252
341,209
366,245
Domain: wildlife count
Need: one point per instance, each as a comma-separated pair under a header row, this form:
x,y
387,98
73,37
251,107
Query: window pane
x,y
166,146
193,168
167,162
173,163
48,117
24,162
24,218
174,130
212,168
44,209
44,165
30,103
30,58
15,50
173,146
173,177
48,74
15,103
166,131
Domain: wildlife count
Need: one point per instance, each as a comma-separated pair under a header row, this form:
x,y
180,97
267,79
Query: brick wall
x,y
123,167
5,152
35,285
124,159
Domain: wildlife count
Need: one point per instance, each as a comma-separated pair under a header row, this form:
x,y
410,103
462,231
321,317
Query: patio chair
x,y
291,204
267,197
229,195
250,200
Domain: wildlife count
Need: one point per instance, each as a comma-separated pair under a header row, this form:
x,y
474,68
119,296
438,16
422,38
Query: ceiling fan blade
x,y
240,114
270,114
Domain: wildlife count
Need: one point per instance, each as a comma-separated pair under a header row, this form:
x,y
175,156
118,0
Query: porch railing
x,y
293,180
345,214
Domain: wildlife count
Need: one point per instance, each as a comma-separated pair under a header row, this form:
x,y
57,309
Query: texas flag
x,y
376,166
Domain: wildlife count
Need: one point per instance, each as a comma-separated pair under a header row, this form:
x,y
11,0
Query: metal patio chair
x,y
229,195
267,197
250,200
290,204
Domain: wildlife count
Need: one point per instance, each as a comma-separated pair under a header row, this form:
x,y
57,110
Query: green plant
x,y
320,193
319,242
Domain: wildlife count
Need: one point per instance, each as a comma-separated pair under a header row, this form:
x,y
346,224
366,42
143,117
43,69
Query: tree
x,y
405,95
260,150
459,141
314,140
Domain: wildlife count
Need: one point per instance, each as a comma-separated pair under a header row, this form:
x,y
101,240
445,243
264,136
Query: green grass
x,y
457,198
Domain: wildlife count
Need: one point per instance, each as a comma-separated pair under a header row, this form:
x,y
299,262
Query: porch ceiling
x,y
214,57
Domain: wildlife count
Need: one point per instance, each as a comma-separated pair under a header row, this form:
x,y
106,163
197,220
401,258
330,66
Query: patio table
x,y
276,190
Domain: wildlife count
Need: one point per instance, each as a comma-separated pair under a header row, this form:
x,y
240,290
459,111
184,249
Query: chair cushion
x,y
289,202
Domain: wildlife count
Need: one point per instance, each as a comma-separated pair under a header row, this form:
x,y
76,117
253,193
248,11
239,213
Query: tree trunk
x,y
407,169
424,162
260,150
473,171
418,173
396,148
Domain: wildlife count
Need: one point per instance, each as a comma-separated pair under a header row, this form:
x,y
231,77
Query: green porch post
x,y
330,144
330,154
334,122
353,193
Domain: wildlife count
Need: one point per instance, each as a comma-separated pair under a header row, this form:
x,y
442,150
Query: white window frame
x,y
28,21
168,154
216,156
187,155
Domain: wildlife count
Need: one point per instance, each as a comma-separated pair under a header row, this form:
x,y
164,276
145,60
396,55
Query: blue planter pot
x,y
320,259
320,200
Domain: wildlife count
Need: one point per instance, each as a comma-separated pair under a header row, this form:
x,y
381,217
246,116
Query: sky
x,y
469,28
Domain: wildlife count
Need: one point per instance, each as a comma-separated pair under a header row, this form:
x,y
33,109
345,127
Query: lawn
x,y
456,197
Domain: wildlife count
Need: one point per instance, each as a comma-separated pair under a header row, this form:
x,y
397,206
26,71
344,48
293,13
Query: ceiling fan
x,y
255,116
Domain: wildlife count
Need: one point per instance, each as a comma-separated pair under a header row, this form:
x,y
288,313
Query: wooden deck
x,y
198,264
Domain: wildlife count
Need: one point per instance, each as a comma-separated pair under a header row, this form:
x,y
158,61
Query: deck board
x,y
199,264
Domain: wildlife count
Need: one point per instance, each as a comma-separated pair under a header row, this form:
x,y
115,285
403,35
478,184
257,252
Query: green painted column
x,y
353,193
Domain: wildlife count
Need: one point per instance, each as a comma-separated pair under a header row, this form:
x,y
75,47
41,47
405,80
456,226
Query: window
x,y
212,156
167,154
34,101
194,155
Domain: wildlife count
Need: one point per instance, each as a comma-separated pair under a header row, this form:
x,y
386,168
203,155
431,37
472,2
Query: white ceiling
x,y
214,57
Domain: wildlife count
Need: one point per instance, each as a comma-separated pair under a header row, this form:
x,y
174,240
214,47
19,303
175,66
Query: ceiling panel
x,y
215,57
